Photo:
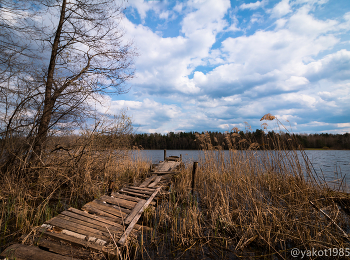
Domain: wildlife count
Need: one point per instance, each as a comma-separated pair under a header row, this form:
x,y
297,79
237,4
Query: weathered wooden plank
x,y
102,206
131,198
156,181
134,194
148,181
143,188
165,172
87,216
19,251
124,237
77,241
91,208
78,228
134,212
113,218
119,202
138,190
122,209
167,166
92,224
58,248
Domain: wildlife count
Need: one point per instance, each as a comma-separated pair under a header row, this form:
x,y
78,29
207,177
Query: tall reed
x,y
251,201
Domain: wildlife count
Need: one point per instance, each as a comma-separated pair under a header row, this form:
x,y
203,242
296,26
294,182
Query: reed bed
x,y
253,204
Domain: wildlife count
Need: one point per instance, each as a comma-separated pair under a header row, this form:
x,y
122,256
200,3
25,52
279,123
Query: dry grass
x,y
255,203
67,179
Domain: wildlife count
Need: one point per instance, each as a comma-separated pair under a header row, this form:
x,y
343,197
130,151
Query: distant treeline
x,y
189,141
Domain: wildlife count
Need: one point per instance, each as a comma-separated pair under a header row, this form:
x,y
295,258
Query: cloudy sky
x,y
213,65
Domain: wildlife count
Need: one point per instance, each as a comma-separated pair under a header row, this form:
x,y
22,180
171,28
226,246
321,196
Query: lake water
x,y
332,164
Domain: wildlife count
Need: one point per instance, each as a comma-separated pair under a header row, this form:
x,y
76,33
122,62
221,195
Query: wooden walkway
x,y
102,226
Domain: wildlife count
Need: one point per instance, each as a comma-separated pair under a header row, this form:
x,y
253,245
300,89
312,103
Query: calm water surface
x,y
332,165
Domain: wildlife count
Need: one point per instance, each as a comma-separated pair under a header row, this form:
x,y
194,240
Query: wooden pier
x,y
102,228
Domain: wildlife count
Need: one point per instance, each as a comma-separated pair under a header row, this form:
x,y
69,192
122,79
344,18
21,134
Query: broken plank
x,y
134,194
92,224
119,202
148,181
86,216
19,251
143,188
122,209
131,198
61,249
77,241
165,172
110,217
155,182
122,240
78,228
138,190
134,212
108,209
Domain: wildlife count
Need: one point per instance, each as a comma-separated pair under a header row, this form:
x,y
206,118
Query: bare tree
x,y
88,56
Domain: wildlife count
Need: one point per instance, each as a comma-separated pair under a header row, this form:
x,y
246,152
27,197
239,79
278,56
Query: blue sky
x,y
213,65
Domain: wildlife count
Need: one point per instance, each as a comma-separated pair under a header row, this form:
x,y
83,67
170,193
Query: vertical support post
x,y
164,154
180,157
193,175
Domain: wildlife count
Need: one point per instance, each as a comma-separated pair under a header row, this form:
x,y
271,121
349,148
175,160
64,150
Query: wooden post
x,y
180,157
193,174
164,154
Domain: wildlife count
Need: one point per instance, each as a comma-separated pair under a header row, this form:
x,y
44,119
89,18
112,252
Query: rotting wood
x,y
134,212
134,193
91,218
148,181
63,249
78,228
108,209
124,237
111,217
155,182
90,223
122,209
131,198
119,202
165,172
144,188
90,208
76,241
19,251
138,191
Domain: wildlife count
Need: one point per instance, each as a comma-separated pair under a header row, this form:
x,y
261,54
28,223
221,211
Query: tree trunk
x,y
49,101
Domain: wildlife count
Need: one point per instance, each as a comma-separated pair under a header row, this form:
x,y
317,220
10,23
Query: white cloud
x,y
303,23
253,6
343,125
283,71
281,9
164,15
178,7
295,82
208,16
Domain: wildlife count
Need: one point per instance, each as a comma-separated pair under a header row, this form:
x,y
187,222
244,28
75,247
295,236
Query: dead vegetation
x,y
252,203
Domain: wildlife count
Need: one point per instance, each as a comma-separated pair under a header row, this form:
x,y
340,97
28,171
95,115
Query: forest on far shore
x,y
187,140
